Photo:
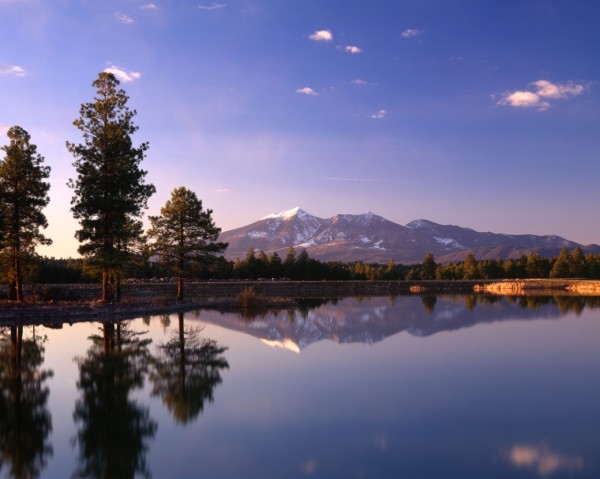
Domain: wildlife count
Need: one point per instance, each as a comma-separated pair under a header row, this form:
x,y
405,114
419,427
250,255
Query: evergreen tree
x,y
290,262
275,265
23,195
560,269
577,265
184,233
470,267
429,267
109,191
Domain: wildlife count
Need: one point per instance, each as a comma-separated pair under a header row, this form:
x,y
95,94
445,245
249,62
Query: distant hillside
x,y
372,238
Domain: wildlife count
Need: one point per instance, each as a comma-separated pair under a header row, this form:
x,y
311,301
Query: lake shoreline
x,y
151,299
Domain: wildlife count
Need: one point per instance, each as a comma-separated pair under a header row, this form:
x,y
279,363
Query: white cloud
x,y
307,91
212,6
124,18
543,460
121,74
322,36
12,70
358,81
222,190
543,92
379,115
149,6
4,128
411,32
352,49
524,99
547,89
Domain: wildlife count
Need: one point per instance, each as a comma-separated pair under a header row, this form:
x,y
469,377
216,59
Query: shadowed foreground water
x,y
418,387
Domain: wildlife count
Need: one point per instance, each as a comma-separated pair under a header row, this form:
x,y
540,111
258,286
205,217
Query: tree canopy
x,y
110,192
184,233
23,196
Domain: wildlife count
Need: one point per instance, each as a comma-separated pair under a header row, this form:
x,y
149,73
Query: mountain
x,y
372,238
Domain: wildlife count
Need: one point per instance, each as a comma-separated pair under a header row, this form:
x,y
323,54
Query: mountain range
x,y
373,239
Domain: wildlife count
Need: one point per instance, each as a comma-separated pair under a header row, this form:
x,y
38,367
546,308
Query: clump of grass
x,y
248,300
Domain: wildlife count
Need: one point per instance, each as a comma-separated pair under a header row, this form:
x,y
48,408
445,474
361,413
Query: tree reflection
x,y
114,430
186,371
25,422
429,303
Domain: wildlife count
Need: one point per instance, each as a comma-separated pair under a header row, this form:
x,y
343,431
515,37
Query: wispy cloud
x,y
212,6
411,32
12,70
352,49
539,94
222,190
543,460
307,91
379,115
547,89
125,19
123,75
358,81
149,6
3,128
322,36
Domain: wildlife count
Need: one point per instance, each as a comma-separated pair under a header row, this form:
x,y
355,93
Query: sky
x,y
478,113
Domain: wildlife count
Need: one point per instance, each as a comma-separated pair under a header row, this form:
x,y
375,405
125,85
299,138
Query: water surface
x,y
419,387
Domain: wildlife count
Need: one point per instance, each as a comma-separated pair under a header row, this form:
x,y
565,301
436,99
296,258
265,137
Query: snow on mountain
x,y
371,238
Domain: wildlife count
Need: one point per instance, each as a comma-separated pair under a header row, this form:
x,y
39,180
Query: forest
x,y
298,266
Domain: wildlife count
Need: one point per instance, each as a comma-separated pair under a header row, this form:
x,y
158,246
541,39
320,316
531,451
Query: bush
x,y
250,300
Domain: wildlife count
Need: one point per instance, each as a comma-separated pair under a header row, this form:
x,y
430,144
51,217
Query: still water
x,y
415,387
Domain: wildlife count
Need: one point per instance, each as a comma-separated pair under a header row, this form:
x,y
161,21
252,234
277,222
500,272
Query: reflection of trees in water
x,y
113,430
186,371
25,422
429,303
565,304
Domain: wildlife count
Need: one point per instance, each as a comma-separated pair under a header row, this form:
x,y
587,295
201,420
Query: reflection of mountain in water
x,y
370,321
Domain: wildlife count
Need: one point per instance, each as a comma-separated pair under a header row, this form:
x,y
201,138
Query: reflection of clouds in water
x,y
543,460
309,467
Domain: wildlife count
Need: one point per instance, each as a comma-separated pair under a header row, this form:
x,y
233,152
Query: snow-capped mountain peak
x,y
287,214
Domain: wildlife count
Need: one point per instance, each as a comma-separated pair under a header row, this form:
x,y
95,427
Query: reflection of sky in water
x,y
504,398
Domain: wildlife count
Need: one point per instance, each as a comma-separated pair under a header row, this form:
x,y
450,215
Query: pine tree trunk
x,y
118,288
179,288
104,286
18,278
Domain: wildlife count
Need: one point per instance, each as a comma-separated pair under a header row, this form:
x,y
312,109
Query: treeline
x,y
298,266
566,265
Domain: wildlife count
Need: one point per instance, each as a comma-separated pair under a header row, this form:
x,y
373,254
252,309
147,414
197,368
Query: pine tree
x,y
184,234
110,193
470,267
560,269
429,266
23,195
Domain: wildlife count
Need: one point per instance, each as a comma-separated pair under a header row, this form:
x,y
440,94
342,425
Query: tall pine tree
x,y
184,233
23,195
110,192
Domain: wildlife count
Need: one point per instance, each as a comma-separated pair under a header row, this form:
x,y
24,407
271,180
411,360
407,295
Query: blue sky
x,y
483,114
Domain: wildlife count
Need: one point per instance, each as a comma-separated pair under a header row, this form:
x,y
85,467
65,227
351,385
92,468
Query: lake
x,y
410,386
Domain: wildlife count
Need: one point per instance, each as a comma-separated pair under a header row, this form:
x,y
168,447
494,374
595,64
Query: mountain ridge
x,y
371,238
